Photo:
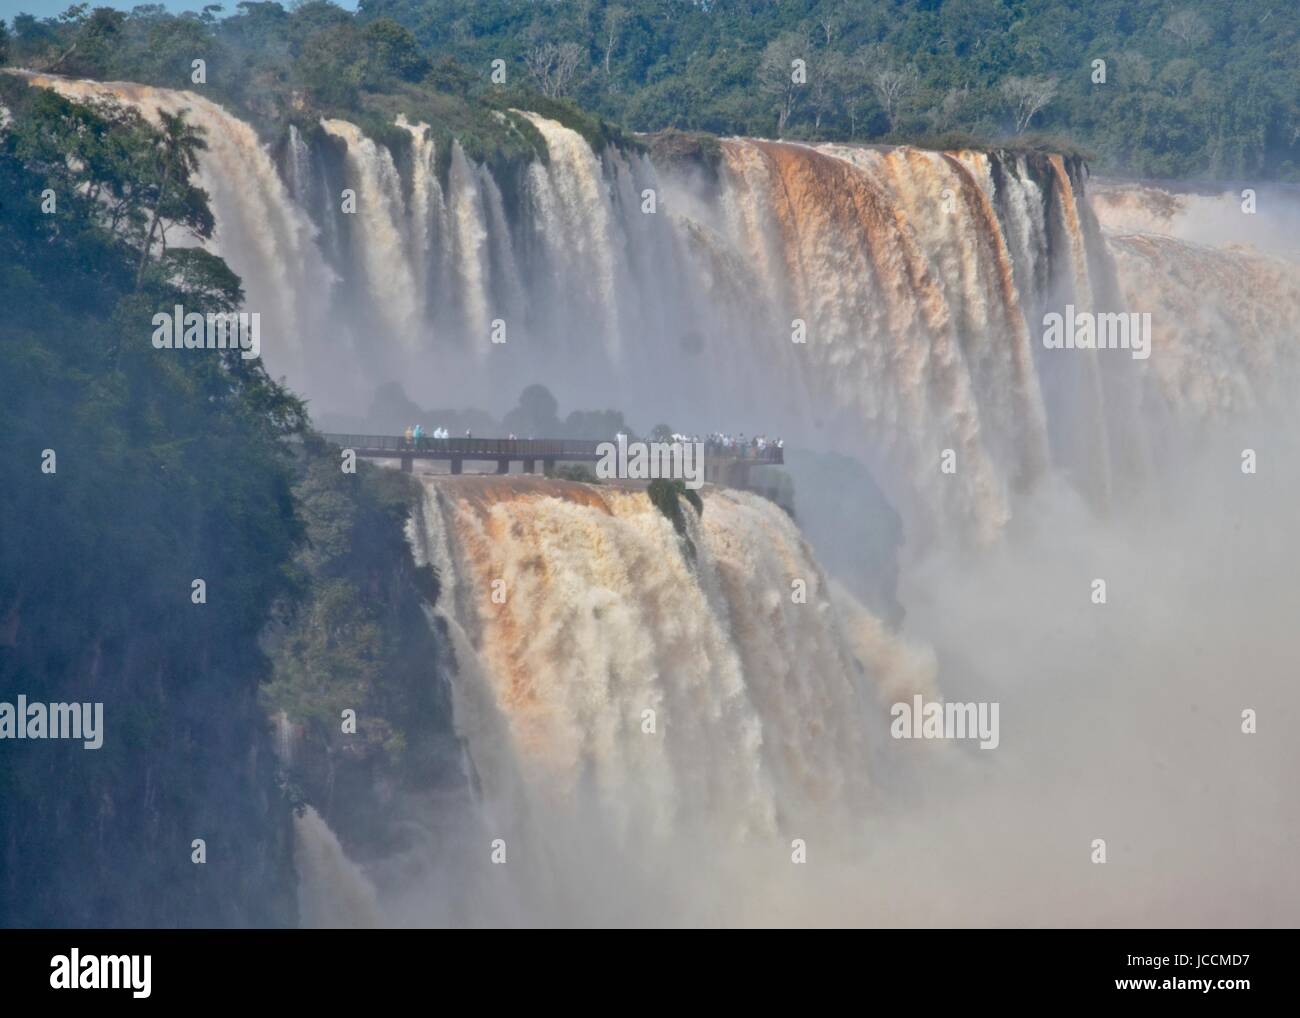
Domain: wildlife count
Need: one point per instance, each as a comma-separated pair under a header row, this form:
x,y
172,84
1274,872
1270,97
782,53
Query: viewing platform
x,y
723,464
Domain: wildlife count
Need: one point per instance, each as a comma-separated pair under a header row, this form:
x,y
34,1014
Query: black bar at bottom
x,y
305,968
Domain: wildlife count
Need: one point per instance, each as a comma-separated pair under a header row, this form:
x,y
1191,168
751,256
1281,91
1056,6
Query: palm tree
x,y
176,155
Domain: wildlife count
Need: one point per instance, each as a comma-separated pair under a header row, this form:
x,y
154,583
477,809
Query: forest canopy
x,y
1164,88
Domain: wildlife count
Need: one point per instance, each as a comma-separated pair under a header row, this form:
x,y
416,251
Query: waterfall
x,y
333,893
299,168
618,692
921,279
381,228
898,265
575,224
606,618
470,247
266,238
1248,295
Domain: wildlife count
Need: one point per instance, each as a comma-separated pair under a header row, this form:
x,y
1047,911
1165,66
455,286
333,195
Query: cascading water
x,y
386,255
606,618
470,245
1235,348
626,696
332,890
260,231
574,222
921,279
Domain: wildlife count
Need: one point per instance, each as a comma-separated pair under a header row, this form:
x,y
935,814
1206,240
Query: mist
x,y
1120,721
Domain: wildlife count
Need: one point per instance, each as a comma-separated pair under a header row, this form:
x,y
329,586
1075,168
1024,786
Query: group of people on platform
x,y
735,445
739,445
415,435
760,443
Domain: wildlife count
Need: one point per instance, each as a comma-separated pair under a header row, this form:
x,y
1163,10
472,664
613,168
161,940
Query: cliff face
x,y
222,739
103,838
360,641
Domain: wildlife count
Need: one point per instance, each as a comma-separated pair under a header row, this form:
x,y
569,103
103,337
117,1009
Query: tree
x,y
553,67
97,37
1187,27
537,414
829,23
1028,95
855,86
894,87
202,279
1134,67
697,66
330,66
1177,77
829,76
950,108
615,18
449,75
176,157
392,54
777,79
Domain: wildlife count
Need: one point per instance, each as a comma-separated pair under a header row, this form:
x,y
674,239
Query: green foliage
x,y
359,638
598,133
276,66
391,54
331,66
171,466
665,495
503,140
1191,89
450,76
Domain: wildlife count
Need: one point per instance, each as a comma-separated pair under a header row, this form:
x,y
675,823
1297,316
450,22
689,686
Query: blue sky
x,y
48,8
